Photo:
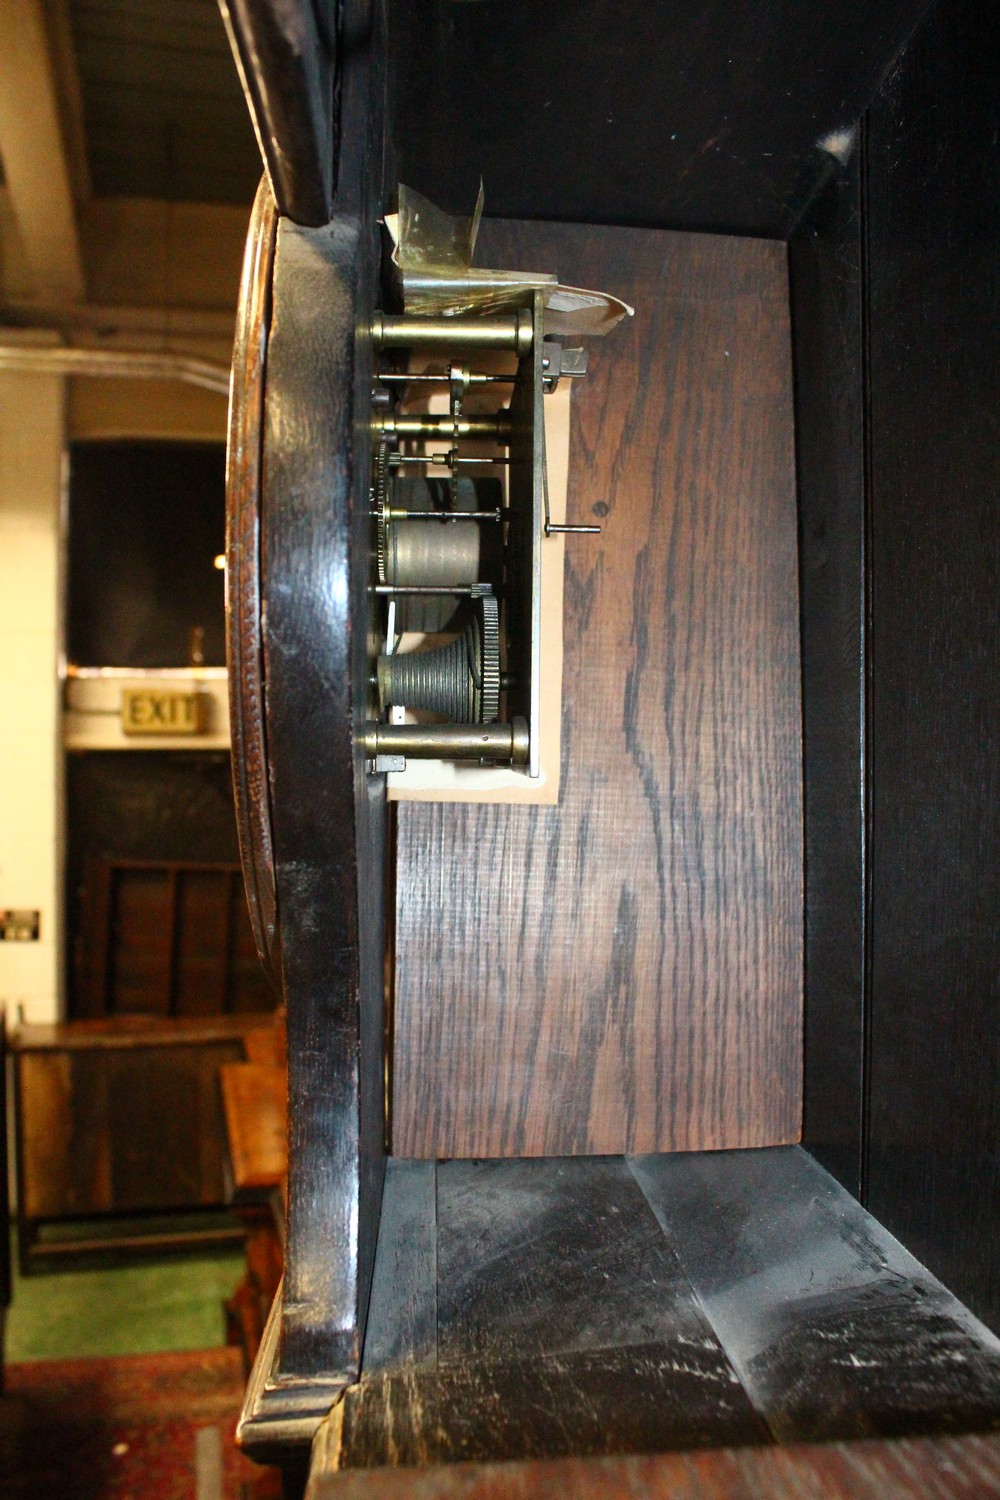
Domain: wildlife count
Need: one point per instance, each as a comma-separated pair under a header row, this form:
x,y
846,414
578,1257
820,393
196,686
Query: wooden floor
x,y
956,1468
549,1308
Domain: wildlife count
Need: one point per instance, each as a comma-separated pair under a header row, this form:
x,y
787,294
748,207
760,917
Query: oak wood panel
x,y
623,972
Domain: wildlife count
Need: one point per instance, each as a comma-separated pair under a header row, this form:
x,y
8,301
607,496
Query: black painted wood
x,y
287,58
328,814
834,1329
554,1255
825,258
643,1398
934,255
532,1309
327,824
402,1321
699,114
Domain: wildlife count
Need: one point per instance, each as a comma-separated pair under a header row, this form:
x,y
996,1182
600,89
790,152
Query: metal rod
x,y
443,515
447,460
499,742
553,528
514,332
469,590
496,426
396,377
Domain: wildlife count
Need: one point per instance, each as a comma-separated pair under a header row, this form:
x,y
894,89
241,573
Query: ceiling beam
x,y
128,364
35,160
69,89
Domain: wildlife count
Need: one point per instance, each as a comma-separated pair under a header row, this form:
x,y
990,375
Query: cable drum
x,y
460,681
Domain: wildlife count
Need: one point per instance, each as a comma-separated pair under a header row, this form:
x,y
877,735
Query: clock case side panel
x,y
328,813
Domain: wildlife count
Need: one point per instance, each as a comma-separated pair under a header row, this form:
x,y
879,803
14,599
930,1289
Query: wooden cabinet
x,y
121,1119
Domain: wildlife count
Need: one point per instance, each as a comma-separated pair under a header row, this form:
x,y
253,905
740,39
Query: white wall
x,y
31,447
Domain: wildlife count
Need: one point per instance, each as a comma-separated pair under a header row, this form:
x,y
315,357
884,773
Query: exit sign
x,y
163,711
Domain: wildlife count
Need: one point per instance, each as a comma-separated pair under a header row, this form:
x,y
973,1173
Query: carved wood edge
x,y
280,1413
244,460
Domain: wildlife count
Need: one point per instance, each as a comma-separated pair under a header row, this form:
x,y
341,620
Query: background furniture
x,y
255,1103
121,1119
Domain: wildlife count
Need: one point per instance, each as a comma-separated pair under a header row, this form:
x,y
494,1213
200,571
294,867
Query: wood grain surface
x,y
255,1105
572,1305
623,972
957,1468
121,1129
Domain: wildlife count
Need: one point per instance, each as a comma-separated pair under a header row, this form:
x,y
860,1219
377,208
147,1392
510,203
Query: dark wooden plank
x,y
327,816
825,274
624,971
555,110
834,1329
159,807
121,1128
132,1031
964,1468
90,956
402,1318
563,1322
201,951
286,54
550,1256
934,257
643,1398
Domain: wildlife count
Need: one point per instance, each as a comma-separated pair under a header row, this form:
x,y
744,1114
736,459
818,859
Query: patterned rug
x,y
138,1427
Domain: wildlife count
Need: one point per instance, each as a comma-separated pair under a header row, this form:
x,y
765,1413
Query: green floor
x,y
142,1308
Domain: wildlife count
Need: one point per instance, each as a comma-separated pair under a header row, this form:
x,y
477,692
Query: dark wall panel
x,y
934,247
147,805
697,114
146,522
825,265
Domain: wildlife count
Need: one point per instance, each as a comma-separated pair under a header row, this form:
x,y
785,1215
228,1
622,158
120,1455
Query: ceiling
x,y
129,166
163,112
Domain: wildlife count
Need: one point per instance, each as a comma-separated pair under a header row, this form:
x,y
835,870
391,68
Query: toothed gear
x,y
382,507
489,658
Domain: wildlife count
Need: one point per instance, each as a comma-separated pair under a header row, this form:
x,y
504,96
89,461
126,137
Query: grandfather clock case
x,y
662,1115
